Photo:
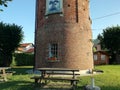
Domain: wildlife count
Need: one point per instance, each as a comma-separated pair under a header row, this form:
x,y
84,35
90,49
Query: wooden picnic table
x,y
46,74
65,70
3,72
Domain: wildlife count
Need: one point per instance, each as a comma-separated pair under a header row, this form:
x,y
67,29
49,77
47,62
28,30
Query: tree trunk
x,y
6,60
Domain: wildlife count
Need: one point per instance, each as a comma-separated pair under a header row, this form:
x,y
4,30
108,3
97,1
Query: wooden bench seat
x,y
57,73
38,79
73,81
55,78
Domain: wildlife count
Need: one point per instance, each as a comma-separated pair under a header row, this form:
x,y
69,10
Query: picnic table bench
x,y
59,74
10,72
3,73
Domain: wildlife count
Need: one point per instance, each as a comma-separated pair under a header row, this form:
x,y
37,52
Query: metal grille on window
x,y
53,51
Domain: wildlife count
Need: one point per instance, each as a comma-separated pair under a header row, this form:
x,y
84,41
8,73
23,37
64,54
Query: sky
x,y
104,13
22,13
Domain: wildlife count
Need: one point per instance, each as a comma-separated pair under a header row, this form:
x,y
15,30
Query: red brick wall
x,y
72,32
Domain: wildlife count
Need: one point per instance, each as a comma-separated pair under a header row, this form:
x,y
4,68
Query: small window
x,y
102,57
53,51
95,57
54,6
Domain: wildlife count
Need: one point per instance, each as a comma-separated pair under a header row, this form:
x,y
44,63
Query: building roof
x,y
25,44
30,50
26,48
102,51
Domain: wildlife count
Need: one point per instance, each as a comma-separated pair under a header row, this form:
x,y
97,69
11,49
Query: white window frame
x,y
95,57
53,50
103,57
53,12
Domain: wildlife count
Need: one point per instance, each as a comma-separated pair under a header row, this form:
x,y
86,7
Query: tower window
x,y
54,6
53,51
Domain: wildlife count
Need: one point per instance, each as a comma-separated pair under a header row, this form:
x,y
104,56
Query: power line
x,y
106,16
97,29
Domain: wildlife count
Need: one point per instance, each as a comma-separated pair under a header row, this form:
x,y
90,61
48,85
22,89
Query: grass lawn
x,y
109,80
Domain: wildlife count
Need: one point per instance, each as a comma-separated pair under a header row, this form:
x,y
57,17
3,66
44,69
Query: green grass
x,y
109,80
19,81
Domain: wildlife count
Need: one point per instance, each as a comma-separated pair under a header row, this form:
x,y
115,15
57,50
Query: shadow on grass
x,y
16,85
56,86
20,70
110,87
27,85
102,88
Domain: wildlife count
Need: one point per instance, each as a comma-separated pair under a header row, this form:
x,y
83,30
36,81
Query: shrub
x,y
23,59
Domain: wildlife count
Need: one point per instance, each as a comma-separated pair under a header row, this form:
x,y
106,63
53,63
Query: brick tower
x,y
63,34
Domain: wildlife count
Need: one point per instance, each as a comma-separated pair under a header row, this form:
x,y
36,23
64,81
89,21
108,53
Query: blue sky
x,y
22,13
109,9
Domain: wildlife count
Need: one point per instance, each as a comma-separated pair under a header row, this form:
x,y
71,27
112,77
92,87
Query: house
x,y
25,48
100,56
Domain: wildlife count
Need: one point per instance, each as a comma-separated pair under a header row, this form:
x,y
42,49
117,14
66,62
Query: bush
x,y
23,59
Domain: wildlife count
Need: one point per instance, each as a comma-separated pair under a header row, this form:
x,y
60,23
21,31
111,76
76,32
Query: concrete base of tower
x,y
89,87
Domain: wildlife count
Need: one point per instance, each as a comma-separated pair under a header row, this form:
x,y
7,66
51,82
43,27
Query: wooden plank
x,y
57,69
35,77
57,73
67,79
49,78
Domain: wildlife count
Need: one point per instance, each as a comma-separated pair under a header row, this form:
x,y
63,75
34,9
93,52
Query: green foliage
x,y
23,59
110,39
4,2
10,37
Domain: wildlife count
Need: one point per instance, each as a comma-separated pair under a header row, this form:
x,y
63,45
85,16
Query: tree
x,y
4,2
100,38
110,39
10,37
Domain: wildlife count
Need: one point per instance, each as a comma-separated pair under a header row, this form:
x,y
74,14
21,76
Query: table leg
x,y
73,74
73,82
4,75
43,74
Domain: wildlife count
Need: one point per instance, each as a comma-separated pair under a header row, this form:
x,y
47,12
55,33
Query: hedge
x,y
23,59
